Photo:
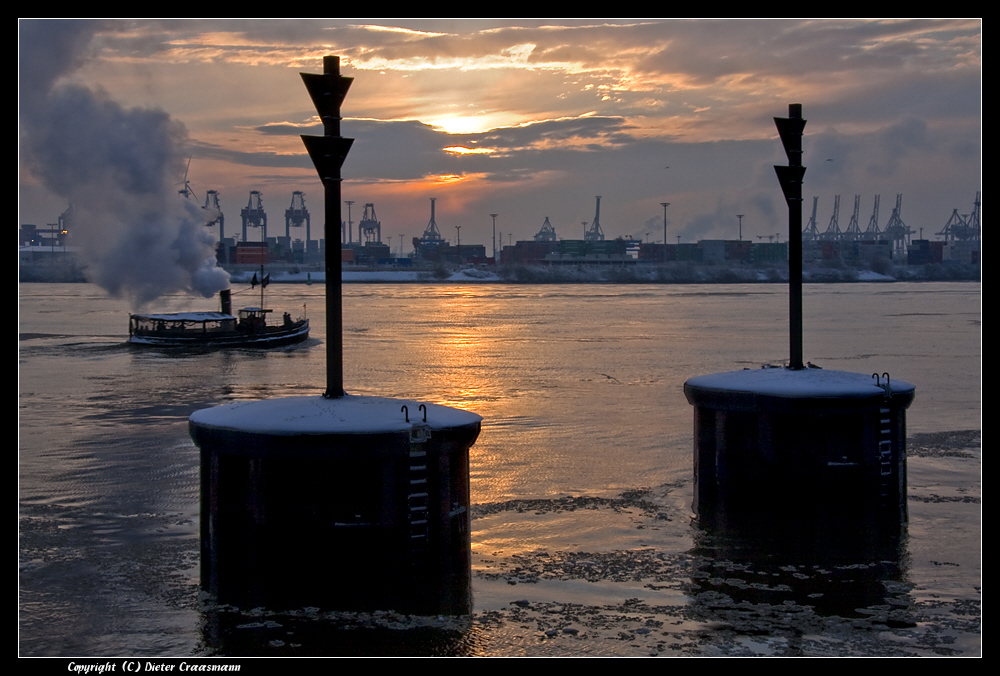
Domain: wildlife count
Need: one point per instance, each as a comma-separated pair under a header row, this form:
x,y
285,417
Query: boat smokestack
x,y
225,298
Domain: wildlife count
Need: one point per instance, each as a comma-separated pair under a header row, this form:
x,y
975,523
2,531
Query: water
x,y
581,478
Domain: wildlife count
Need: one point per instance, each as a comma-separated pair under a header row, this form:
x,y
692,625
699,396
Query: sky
x,y
527,119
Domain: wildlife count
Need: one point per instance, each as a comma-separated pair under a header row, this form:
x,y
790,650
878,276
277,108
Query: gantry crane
x,y
595,233
296,214
431,233
253,215
895,230
370,228
963,228
547,233
873,233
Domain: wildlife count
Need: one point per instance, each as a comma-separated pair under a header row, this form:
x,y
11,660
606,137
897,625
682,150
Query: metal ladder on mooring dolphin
x,y
418,502
887,463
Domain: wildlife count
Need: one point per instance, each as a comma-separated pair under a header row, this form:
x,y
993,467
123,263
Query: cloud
x,y
116,167
570,109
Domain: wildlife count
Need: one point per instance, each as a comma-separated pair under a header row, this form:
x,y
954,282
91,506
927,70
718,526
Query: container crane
x,y
253,215
296,214
896,230
853,231
811,232
963,228
547,233
873,233
595,233
833,229
370,228
431,234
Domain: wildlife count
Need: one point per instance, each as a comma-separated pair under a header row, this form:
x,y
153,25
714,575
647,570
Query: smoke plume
x,y
117,168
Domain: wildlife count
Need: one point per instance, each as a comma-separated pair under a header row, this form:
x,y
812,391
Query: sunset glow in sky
x,y
532,119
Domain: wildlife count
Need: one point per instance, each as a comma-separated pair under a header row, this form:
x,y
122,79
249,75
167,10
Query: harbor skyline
x,y
533,119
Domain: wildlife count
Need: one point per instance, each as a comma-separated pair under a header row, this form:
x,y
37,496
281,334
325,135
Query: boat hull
x,y
272,337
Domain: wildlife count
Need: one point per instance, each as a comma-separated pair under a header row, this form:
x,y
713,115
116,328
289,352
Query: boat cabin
x,y
181,324
252,320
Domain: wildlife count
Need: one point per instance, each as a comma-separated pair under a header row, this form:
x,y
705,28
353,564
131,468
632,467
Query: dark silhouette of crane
x,y
370,228
253,215
595,233
547,233
296,214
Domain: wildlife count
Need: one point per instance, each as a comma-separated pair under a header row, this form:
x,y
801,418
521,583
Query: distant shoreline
x,y
633,274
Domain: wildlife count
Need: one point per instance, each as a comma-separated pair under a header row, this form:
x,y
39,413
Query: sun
x,y
474,124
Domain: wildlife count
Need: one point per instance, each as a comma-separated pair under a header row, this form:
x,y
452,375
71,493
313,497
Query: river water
x,y
582,537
